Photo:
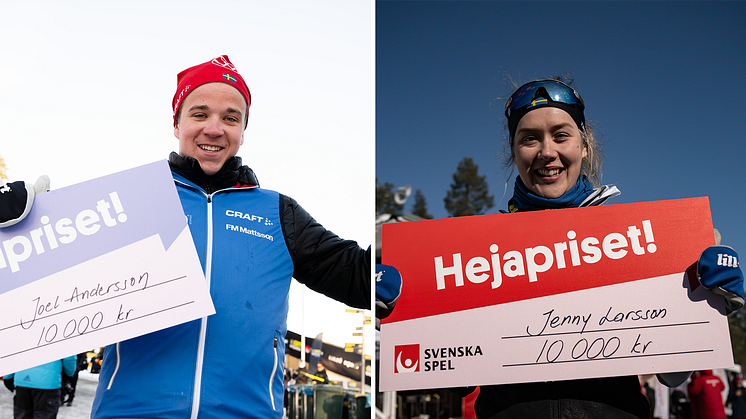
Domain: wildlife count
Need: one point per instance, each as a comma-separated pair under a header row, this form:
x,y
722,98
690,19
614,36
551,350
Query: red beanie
x,y
217,70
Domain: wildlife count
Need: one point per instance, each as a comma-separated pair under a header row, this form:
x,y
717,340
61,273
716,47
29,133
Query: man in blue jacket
x,y
251,242
38,389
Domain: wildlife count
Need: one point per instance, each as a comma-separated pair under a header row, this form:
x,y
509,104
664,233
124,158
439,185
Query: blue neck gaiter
x,y
525,200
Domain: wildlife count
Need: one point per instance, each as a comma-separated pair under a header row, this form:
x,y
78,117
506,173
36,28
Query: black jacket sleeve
x,y
324,262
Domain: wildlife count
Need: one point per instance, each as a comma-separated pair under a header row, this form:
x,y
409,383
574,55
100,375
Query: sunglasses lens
x,y
556,91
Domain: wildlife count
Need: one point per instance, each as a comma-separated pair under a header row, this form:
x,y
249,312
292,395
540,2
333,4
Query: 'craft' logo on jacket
x,y
249,217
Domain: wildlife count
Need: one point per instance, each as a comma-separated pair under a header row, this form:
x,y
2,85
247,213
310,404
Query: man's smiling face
x,y
211,125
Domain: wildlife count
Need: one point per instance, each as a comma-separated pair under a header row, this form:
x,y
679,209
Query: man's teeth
x,y
209,148
549,172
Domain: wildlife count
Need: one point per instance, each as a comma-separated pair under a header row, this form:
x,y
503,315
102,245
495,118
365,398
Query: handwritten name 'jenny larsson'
x,y
573,321
516,263
42,308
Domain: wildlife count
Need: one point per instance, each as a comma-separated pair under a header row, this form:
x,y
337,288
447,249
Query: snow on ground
x,y
81,408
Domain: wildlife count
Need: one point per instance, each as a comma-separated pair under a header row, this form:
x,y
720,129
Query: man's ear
x,y
176,131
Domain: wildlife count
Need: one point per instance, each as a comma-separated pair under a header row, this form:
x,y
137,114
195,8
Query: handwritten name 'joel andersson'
x,y
77,296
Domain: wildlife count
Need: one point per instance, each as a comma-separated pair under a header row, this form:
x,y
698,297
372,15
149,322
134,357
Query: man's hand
x,y
17,198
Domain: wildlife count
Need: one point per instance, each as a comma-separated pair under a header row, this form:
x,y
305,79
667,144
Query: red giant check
x,y
551,295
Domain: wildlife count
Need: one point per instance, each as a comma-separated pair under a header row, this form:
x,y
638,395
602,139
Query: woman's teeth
x,y
548,172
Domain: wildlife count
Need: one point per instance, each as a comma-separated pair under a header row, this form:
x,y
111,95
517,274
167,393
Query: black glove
x,y
16,199
9,384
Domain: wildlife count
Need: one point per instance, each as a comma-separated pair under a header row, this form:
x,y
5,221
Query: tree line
x,y
468,195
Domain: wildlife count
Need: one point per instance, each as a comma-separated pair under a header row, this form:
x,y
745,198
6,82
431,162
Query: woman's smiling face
x,y
548,151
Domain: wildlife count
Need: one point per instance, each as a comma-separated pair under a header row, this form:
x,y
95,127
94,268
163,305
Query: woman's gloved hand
x,y
388,285
719,271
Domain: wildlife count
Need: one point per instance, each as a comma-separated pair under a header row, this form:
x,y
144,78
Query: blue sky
x,y
662,82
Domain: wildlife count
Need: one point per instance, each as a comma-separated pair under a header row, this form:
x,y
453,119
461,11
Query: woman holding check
x,y
559,166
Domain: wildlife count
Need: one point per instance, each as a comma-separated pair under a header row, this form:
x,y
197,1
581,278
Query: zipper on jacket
x,y
272,377
116,367
203,324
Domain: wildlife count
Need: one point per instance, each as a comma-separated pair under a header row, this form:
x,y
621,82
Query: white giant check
x,y
96,263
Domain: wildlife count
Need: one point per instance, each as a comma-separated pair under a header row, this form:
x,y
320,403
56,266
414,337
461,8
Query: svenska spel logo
x,y
407,358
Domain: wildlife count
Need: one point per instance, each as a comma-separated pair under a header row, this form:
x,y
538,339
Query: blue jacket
x,y
251,242
46,376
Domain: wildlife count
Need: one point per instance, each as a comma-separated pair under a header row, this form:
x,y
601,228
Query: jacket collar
x,y
232,174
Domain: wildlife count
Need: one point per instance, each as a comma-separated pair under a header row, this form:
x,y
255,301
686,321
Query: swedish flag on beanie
x,y
218,69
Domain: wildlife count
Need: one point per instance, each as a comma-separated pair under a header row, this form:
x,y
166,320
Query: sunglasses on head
x,y
539,93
